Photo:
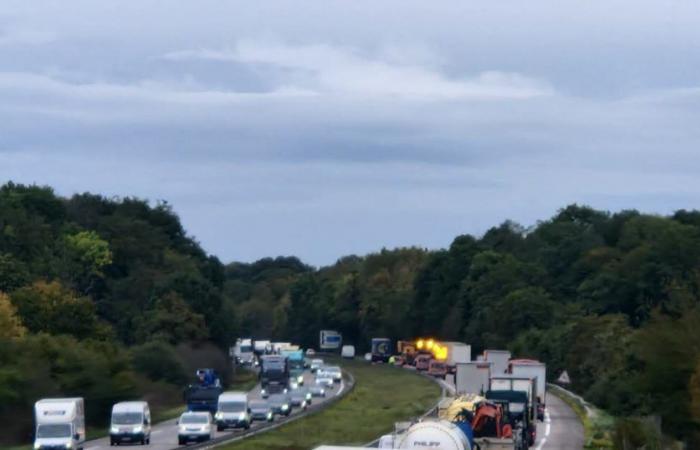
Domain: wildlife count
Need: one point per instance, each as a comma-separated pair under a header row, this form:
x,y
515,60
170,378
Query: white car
x,y
334,372
316,364
194,426
323,379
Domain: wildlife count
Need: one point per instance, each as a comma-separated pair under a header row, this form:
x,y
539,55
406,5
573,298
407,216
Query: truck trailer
x,y
472,377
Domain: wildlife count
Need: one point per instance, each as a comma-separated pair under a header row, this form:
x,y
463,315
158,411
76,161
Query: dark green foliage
x,y
159,361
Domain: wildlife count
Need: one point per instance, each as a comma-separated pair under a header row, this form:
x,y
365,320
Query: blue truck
x,y
203,394
295,360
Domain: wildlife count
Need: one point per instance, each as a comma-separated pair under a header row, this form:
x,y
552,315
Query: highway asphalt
x,y
164,434
561,429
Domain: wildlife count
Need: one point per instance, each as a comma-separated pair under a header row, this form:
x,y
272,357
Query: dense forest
x,y
111,299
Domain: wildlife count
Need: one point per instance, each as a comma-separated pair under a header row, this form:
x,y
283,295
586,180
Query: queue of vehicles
x,y
60,423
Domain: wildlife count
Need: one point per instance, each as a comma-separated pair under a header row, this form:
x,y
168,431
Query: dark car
x,y
280,404
300,397
261,410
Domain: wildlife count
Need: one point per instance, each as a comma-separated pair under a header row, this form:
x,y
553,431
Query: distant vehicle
x,y
330,340
274,373
194,426
280,404
521,396
334,372
261,410
472,377
316,364
60,423
130,422
203,395
300,398
262,347
530,368
243,352
348,351
295,362
437,368
381,349
317,391
310,352
324,379
457,352
232,411
499,359
422,362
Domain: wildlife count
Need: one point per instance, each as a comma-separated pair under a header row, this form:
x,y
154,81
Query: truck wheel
x,y
180,441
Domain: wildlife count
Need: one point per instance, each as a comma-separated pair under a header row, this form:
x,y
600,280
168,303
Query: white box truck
x,y
457,352
60,424
499,358
530,368
472,377
243,352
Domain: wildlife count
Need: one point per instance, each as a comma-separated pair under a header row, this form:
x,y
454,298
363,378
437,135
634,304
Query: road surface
x,y
164,434
561,429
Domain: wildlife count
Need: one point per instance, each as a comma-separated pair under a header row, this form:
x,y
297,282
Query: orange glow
x,y
420,344
429,344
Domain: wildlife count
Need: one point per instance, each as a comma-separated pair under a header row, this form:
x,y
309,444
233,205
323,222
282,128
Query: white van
x,y
348,351
232,411
60,422
131,422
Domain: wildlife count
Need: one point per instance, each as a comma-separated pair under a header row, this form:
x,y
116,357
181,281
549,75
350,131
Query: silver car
x,y
194,426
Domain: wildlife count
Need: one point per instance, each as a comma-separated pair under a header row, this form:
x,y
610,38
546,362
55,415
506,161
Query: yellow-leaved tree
x,y
10,323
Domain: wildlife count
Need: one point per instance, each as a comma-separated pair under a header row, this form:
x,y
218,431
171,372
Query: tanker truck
x,y
439,434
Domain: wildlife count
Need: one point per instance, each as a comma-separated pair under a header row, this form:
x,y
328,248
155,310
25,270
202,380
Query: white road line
x,y
542,442
548,421
342,386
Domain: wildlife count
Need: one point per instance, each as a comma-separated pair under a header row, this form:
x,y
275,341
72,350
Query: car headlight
x,y
114,429
263,392
218,416
300,379
323,392
269,415
37,446
69,445
241,416
286,390
308,396
138,429
285,407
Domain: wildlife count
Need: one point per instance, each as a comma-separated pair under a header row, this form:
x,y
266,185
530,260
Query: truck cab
x,y
274,374
243,352
295,360
130,422
60,424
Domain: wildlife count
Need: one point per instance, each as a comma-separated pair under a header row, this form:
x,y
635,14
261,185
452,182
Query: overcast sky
x,y
324,128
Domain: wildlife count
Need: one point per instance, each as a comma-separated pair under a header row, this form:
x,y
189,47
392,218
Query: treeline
x,y
111,299
108,299
613,299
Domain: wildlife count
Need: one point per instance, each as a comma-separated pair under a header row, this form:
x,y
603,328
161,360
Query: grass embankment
x,y
598,426
382,396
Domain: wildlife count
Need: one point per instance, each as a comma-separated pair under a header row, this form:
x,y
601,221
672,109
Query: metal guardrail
x,y
314,408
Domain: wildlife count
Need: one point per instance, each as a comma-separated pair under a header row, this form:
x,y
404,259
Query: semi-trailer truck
x,y
530,368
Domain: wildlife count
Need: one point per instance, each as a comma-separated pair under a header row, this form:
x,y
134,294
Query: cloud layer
x,y
344,127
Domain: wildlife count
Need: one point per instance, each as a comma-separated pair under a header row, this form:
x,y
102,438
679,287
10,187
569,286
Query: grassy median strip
x,y
382,395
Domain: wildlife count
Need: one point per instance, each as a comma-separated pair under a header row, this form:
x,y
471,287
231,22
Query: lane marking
x,y
542,442
548,421
342,386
